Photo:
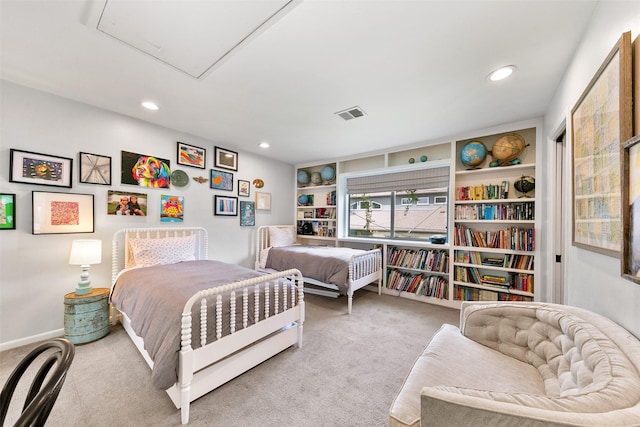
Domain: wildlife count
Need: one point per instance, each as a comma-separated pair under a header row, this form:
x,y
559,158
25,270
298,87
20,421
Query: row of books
x,y
461,293
513,238
331,198
418,284
517,261
514,211
518,281
421,259
484,192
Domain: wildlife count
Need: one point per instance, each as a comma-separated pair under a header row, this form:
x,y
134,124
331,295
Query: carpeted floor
x,y
346,374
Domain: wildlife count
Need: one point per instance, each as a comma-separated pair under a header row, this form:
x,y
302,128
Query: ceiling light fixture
x,y
264,145
501,73
150,105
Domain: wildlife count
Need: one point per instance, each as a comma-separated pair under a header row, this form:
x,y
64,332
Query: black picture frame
x,y
225,206
225,159
94,169
7,211
28,167
221,180
192,156
244,188
62,213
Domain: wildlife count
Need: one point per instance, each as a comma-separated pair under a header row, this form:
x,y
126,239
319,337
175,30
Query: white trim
x,y
32,339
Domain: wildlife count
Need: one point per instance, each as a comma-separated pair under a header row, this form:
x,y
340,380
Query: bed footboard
x,y
364,269
267,328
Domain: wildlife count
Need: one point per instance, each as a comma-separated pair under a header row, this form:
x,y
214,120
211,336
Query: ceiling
x,y
416,68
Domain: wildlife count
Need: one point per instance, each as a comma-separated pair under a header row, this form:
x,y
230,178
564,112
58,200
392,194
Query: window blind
x,y
421,179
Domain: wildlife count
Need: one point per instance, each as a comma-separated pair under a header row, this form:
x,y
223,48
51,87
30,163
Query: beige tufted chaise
x,y
524,364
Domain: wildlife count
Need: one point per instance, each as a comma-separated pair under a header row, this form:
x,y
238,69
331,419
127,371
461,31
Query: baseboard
x,y
30,340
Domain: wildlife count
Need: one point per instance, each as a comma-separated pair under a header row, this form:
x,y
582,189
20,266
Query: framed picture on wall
x,y
190,155
95,169
225,159
62,213
7,211
247,214
221,180
226,206
244,188
263,201
145,171
171,208
123,203
601,120
28,167
631,209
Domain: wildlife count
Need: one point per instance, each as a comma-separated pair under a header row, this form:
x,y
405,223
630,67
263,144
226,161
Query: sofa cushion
x,y
453,360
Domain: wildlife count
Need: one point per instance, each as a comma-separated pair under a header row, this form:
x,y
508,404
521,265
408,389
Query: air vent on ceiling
x,y
351,113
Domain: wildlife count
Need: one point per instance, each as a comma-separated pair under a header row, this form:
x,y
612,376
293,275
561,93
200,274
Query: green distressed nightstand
x,y
86,317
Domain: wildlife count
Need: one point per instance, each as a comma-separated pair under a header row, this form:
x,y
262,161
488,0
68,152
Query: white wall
x,y
34,273
592,280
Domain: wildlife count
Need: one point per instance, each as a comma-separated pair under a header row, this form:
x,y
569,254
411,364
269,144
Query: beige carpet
x,y
346,373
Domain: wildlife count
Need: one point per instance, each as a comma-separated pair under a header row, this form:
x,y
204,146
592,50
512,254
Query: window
x,y
396,205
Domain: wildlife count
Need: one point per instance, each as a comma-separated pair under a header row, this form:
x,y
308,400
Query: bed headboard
x,y
120,249
262,240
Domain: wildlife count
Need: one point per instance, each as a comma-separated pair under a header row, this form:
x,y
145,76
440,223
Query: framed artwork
x,y
631,209
244,188
7,211
263,201
171,208
126,203
247,214
95,169
601,120
145,171
190,155
61,213
226,205
225,159
221,180
41,169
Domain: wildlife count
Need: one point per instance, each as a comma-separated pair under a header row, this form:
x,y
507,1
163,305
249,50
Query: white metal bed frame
x,y
364,269
205,368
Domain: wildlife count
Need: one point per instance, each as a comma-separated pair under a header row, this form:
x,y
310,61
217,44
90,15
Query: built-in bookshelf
x,y
417,272
494,232
316,215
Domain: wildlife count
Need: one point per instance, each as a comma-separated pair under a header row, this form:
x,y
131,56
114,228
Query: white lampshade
x,y
86,252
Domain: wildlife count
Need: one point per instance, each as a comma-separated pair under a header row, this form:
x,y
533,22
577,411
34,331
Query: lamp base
x,y
83,289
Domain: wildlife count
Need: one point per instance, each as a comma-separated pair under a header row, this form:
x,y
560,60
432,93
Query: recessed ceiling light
x,y
263,145
150,105
501,73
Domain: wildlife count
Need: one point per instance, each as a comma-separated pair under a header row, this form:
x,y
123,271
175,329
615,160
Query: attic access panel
x,y
192,36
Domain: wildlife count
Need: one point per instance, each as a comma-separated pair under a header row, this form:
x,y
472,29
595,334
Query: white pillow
x,y
147,252
282,236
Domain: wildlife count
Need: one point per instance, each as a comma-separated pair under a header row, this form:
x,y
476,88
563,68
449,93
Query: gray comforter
x,y
154,297
326,264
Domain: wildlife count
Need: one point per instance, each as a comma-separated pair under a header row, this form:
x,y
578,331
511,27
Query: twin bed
x,y
199,323
333,271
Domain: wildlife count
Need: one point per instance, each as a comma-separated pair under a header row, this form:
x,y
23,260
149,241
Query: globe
x,y
507,148
303,177
423,158
316,178
303,199
524,184
473,154
328,173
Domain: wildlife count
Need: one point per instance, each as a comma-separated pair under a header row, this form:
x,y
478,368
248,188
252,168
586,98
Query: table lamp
x,y
85,252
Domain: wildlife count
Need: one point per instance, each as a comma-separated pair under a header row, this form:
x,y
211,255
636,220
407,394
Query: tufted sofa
x,y
523,364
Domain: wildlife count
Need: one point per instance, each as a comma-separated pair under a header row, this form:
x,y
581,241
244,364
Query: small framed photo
x,y
631,209
95,169
244,188
190,155
226,206
247,214
62,213
263,201
126,203
225,159
41,169
221,180
7,211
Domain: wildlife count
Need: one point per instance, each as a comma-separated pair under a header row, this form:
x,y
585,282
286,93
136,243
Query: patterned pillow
x,y
282,236
147,252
